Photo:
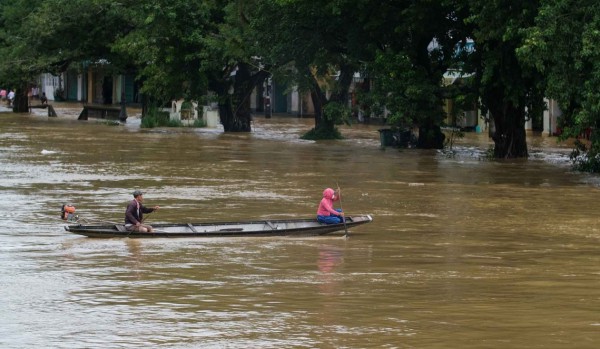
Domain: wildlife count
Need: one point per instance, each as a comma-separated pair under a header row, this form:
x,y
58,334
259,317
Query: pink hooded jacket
x,y
326,205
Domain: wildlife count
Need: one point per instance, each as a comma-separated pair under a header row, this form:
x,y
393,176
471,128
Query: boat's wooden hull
x,y
284,227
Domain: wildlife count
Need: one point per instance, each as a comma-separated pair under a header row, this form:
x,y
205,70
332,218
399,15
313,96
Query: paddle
x,y
149,213
143,219
342,208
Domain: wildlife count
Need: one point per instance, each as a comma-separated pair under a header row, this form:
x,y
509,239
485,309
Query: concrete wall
x,y
551,116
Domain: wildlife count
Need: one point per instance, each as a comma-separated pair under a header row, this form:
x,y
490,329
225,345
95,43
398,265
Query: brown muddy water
x,y
462,253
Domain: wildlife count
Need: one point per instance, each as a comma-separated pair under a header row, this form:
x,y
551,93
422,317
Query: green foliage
x,y
452,134
158,118
166,41
585,156
182,49
566,52
322,133
405,90
337,112
585,159
317,46
187,105
410,59
509,90
110,122
48,35
198,123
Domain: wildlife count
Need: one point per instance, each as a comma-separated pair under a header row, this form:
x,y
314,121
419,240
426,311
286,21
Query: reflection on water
x,y
462,253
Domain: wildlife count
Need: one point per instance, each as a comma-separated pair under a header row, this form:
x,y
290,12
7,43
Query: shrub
x,y
198,123
322,133
158,118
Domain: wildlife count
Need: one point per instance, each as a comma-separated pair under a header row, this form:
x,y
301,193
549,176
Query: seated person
x,y
326,213
44,99
134,215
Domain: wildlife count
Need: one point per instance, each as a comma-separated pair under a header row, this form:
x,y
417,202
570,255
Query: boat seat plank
x,y
192,227
120,228
271,225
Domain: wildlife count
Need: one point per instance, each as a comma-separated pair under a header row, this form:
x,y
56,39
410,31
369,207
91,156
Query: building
x,y
91,84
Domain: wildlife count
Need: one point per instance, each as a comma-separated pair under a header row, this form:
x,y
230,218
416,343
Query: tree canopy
x,y
520,52
48,36
562,45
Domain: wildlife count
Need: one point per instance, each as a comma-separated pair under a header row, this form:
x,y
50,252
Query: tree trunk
x,y
226,114
340,94
144,105
509,120
233,120
431,137
235,109
319,101
21,101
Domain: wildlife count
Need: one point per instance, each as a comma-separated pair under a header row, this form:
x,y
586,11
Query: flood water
x,y
462,253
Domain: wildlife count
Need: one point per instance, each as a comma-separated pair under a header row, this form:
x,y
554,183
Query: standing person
x,y
11,97
134,215
326,213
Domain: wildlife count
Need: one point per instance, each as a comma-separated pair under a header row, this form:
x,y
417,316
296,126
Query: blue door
x,y
71,86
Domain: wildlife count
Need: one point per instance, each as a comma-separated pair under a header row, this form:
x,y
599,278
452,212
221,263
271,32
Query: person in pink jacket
x,y
326,213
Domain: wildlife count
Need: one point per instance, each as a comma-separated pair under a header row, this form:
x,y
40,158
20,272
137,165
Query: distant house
x,y
284,99
469,119
91,84
277,98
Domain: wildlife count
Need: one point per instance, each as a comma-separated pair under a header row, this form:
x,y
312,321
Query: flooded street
x,y
462,253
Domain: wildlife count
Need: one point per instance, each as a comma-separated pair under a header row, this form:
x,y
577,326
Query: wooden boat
x,y
282,227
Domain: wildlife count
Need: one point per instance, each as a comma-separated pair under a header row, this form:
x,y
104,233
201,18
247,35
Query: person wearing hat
x,y
134,215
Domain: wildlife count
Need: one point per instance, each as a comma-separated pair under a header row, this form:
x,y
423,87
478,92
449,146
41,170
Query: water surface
x,y
462,252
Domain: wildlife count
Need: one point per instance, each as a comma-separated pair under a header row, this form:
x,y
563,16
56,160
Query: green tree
x,y
17,63
563,45
317,46
186,48
509,89
416,42
165,44
230,67
48,36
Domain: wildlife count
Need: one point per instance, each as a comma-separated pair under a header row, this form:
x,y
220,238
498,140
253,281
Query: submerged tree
x,y
184,49
47,36
179,48
317,46
416,43
230,67
509,89
563,45
164,43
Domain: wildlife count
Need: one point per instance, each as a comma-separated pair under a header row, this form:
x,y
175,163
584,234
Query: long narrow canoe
x,y
282,227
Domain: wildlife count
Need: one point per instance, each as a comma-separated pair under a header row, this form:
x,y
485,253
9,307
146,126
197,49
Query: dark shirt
x,y
133,215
